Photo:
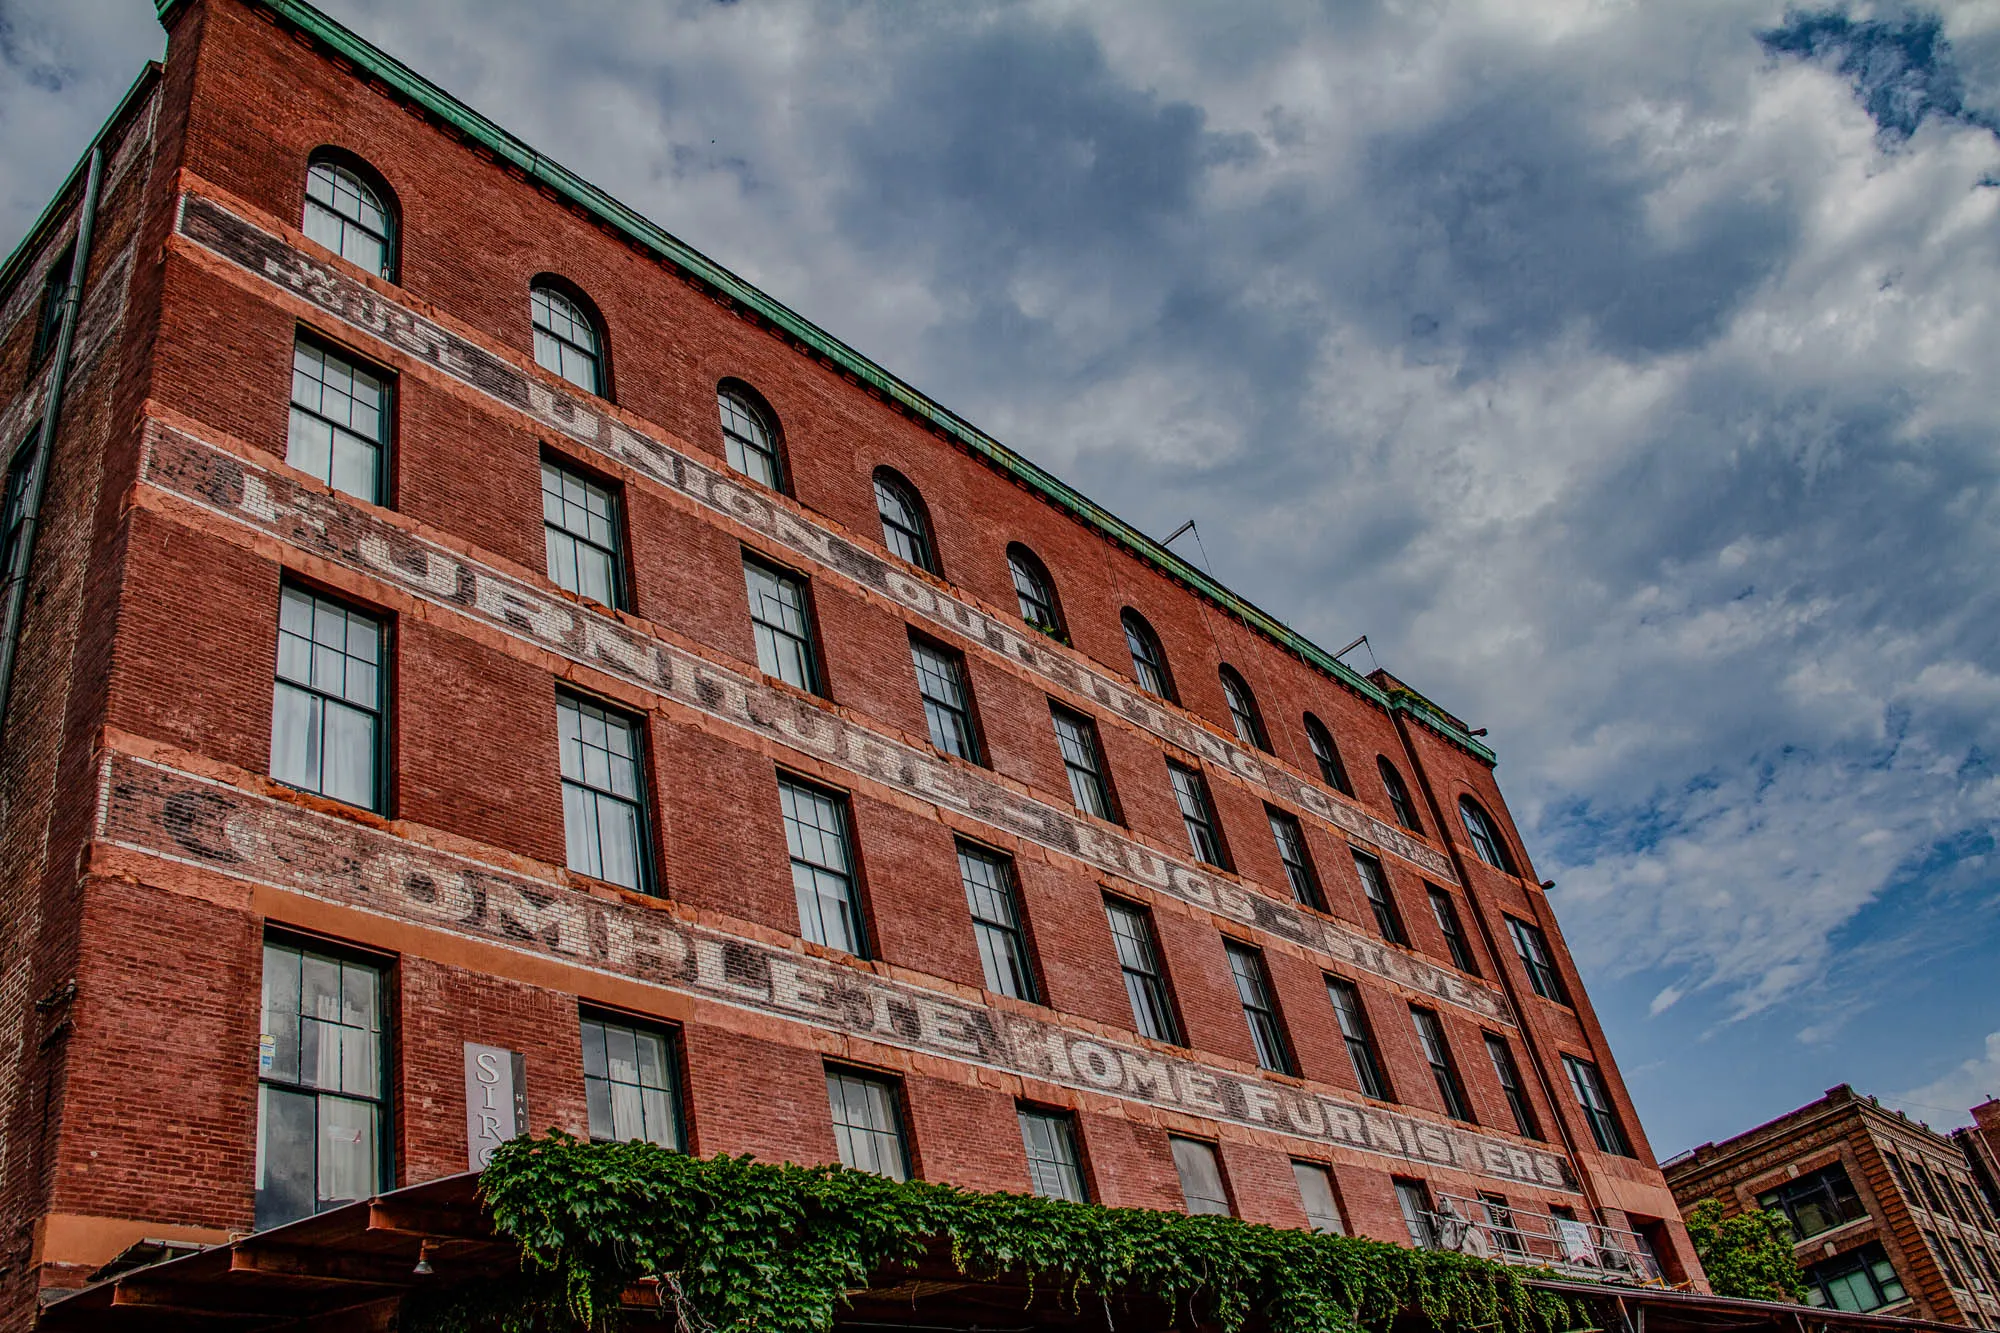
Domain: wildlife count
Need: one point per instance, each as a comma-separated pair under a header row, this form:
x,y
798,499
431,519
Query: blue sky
x,y
1628,372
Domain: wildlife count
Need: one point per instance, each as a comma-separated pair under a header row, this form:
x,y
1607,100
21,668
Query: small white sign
x,y
496,1100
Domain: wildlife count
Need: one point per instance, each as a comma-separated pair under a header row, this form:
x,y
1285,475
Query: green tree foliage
x,y
742,1246
1749,1255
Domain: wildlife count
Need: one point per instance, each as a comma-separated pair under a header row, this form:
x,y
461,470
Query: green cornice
x,y
405,82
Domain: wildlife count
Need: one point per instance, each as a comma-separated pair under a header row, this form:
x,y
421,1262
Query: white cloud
x,y
1955,1093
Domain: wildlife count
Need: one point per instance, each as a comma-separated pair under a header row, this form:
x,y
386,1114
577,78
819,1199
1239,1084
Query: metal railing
x,y
1569,1246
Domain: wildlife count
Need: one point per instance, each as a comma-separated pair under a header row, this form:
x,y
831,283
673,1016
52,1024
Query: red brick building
x,y
483,667
1887,1213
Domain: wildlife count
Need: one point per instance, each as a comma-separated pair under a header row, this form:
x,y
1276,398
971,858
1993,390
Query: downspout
x,y
45,443
1500,966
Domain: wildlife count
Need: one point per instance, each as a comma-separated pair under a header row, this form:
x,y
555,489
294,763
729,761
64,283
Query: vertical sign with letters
x,y
496,1100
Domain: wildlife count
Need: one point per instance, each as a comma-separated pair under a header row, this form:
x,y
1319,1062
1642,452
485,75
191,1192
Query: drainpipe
x,y
45,442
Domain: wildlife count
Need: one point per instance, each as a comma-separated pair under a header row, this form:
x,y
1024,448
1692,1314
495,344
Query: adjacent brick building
x,y
1887,1213
484,667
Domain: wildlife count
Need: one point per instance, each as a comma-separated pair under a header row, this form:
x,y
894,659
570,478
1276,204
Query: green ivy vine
x,y
742,1246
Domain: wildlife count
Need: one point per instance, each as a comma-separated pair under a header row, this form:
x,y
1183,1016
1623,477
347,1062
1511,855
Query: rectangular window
x,y
1201,1176
1943,1261
20,472
603,788
947,699
1430,1036
49,318
1054,1167
630,1081
1509,1075
1533,947
1316,1193
1858,1281
1253,988
1197,815
1299,872
1596,1105
1500,1224
1375,883
1076,737
996,921
1818,1201
1139,960
581,524
321,1094
1446,912
339,429
868,1122
822,866
328,705
781,614
1354,1030
1929,1186
1974,1281
1413,1197
1902,1178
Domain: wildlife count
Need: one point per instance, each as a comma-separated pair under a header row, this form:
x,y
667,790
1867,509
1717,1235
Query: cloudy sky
x,y
1628,372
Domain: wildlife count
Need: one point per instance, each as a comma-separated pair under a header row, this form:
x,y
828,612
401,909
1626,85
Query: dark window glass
x,y
1054,1167
1486,839
996,921
603,787
1201,1176
904,530
1973,1280
1929,1186
1413,1197
20,473
1533,947
947,701
1446,912
1596,1104
1437,1051
1316,1194
1509,1075
1360,1039
1149,662
781,616
566,338
580,528
629,1082
822,866
1260,1011
1145,981
328,705
1943,1261
1500,1223
1857,1281
345,214
1299,872
1076,737
1197,815
339,427
1035,591
321,1084
868,1123
749,441
1243,714
1327,756
1399,796
1375,883
1816,1202
48,318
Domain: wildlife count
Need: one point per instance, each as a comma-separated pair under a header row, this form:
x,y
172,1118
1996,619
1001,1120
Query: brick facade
x,y
152,853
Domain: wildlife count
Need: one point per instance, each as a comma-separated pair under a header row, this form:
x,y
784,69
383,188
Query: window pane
x,y
287,1125
866,1126
748,441
947,704
822,879
1375,884
783,627
339,421
989,893
603,794
1191,795
1053,1169
326,706
347,1161
1034,593
566,340
1145,983
1316,1193
1076,737
1201,1177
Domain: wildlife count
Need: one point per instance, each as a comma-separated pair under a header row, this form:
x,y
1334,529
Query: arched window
x,y
905,530
749,438
568,338
1035,591
1486,839
1243,714
1149,662
1399,795
1327,755
349,211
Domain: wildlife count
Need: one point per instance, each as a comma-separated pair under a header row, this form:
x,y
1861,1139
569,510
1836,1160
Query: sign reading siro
x,y
496,1100
160,811
213,227
334,529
